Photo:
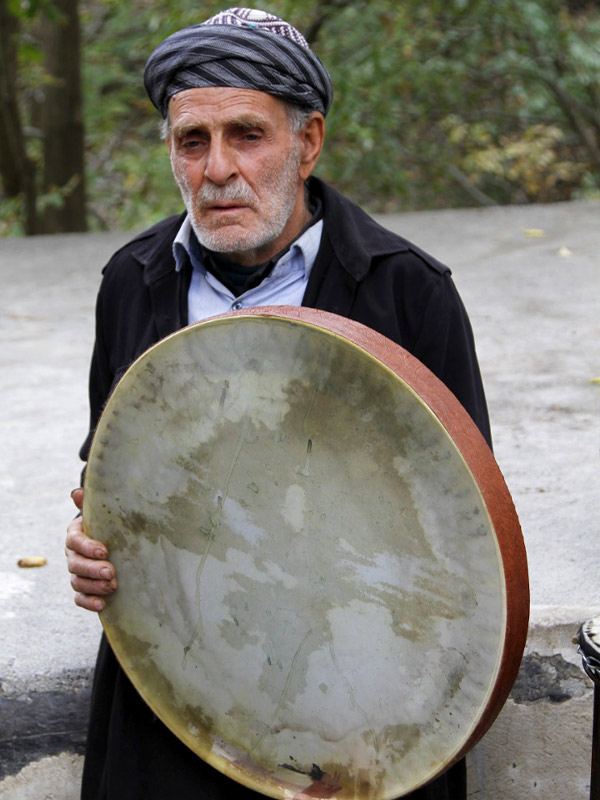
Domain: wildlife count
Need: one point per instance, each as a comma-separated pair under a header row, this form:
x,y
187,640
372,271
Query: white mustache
x,y
213,195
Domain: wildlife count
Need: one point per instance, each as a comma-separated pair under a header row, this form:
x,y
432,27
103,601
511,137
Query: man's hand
x,y
92,576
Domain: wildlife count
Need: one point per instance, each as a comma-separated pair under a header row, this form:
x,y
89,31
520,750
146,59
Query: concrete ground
x,y
530,279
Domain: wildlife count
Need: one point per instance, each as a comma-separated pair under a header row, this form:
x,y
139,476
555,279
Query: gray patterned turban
x,y
241,48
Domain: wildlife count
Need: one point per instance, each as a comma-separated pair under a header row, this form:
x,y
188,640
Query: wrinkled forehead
x,y
210,107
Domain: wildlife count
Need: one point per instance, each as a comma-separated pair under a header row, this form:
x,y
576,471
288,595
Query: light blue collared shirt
x,y
285,286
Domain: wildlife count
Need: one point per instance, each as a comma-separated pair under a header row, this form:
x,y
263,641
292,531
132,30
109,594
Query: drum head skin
x,y
322,580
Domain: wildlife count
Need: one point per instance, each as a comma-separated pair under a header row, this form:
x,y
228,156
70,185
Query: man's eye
x,y
251,136
191,142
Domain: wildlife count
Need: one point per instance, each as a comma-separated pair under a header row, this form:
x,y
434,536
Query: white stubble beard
x,y
272,219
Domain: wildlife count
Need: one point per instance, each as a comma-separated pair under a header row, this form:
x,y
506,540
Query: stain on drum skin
x,y
322,585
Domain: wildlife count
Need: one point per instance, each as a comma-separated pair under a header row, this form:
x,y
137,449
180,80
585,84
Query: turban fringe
x,y
238,57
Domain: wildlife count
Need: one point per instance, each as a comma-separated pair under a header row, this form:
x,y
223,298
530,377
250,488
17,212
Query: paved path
x,y
534,303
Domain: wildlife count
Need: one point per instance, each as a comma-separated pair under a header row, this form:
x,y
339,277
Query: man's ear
x,y
312,137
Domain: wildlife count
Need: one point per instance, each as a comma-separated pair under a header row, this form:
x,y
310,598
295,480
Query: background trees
x,y
41,116
444,103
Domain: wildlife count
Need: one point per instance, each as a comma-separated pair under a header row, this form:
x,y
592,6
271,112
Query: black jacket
x,y
362,272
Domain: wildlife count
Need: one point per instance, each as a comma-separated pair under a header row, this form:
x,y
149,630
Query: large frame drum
x,y
322,581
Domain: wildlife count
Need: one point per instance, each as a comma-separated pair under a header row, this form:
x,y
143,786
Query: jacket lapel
x,y
351,240
165,286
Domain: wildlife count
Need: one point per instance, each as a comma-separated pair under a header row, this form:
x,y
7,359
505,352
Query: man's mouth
x,y
225,207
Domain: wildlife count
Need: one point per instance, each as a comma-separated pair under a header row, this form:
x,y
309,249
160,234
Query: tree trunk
x,y
16,169
63,183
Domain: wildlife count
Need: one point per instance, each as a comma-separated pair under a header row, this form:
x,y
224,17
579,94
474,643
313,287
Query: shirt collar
x,y
181,243
306,245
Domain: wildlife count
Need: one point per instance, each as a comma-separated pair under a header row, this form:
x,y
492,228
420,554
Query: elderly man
x,y
244,100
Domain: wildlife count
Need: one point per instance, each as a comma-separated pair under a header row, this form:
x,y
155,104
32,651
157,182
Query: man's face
x,y
238,166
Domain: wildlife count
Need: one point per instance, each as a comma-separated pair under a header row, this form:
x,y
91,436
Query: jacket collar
x,y
354,251
152,249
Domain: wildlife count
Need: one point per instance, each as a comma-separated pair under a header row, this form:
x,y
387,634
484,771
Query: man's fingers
x,y
89,602
92,576
85,567
89,586
77,497
79,542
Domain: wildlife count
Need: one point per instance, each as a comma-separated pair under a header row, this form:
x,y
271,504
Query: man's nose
x,y
220,163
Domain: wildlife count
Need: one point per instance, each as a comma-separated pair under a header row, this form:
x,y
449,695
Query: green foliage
x,y
10,216
129,178
513,70
444,103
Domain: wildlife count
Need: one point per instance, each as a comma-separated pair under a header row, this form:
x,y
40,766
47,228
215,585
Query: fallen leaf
x,y
565,252
534,233
32,561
